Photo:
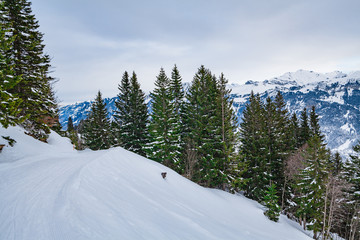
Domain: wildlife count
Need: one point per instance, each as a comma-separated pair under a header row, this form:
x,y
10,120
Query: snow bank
x,y
50,191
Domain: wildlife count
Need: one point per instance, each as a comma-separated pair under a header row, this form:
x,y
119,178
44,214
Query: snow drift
x,y
50,191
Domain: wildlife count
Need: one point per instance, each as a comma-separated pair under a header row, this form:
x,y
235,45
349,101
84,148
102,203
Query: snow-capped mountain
x,y
336,96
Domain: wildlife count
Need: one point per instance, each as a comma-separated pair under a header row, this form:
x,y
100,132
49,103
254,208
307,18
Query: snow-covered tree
x,y
28,61
97,132
9,102
132,116
164,143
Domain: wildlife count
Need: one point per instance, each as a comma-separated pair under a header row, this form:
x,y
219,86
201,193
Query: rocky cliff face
x,y
335,95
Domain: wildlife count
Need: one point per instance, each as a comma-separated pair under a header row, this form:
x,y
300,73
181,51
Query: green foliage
x,y
208,131
97,133
131,116
70,125
311,184
252,148
352,176
271,203
30,67
304,134
164,145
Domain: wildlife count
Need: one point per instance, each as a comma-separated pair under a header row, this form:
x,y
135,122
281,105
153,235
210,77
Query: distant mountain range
x,y
335,95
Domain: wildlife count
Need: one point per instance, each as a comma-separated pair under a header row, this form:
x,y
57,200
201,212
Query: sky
x,y
91,42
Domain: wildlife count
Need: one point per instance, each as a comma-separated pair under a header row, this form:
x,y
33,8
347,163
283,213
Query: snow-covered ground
x,y
50,191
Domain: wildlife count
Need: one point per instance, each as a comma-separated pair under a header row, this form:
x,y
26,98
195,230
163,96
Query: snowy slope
x,y
50,191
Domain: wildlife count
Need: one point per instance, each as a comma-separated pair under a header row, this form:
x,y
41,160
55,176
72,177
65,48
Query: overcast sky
x,y
92,42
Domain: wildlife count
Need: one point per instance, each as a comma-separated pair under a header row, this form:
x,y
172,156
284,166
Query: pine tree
x,y
73,135
97,132
304,135
161,128
282,147
202,128
132,116
177,99
228,162
314,124
9,102
271,203
312,185
176,90
253,148
122,114
31,64
352,176
70,126
294,130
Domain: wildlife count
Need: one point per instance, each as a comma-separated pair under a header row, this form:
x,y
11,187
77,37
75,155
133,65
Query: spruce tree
x,y
228,162
139,116
311,185
352,176
9,102
253,148
29,62
271,203
132,116
161,128
177,99
281,147
314,124
97,132
70,126
202,126
122,114
294,131
176,90
304,134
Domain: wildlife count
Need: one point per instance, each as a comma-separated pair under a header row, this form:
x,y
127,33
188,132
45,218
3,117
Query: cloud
x,y
92,43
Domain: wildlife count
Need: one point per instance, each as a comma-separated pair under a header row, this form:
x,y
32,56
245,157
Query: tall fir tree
x,y
123,125
228,163
9,102
177,99
97,132
132,115
26,54
163,145
312,185
282,148
70,125
352,176
314,124
202,129
304,134
253,148
294,131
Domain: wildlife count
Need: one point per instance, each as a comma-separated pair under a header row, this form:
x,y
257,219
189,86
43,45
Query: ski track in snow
x,y
50,191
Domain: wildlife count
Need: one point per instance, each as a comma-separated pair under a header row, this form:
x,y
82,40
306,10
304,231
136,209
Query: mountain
x,y
335,95
50,191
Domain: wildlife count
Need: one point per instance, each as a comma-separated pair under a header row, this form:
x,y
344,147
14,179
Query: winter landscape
x,y
179,120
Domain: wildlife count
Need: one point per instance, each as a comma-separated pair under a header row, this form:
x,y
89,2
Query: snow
x,y
304,79
50,191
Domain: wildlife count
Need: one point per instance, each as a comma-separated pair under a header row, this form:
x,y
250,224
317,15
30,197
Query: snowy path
x,y
50,191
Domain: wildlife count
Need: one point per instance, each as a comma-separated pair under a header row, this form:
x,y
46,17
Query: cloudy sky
x,y
93,42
